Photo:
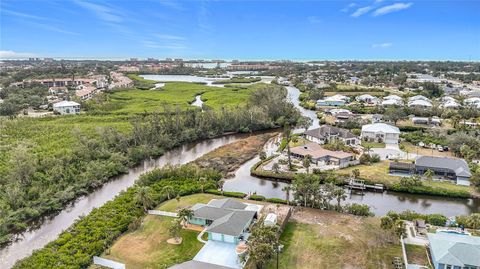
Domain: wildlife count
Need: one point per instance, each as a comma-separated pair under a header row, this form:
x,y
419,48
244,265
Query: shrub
x,y
257,197
358,210
277,201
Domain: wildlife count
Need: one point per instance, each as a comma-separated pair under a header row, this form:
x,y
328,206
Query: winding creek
x,y
242,181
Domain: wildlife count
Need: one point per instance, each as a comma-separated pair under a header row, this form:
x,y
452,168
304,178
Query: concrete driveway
x,y
219,253
391,151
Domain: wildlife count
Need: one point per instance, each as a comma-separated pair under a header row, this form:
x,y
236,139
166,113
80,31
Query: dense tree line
x,y
93,234
33,187
17,98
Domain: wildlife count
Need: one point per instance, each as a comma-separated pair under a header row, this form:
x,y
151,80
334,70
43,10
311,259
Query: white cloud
x,y
360,11
102,12
314,19
169,37
378,1
382,45
155,45
9,54
347,8
22,15
391,8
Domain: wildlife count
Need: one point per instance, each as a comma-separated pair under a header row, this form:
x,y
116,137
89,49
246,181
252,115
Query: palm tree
x,y
202,181
287,134
143,196
339,194
220,184
306,162
287,190
184,215
429,174
276,168
168,191
367,148
356,173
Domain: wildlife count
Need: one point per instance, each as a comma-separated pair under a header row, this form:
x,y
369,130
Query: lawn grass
x,y
373,144
334,240
416,254
411,148
146,247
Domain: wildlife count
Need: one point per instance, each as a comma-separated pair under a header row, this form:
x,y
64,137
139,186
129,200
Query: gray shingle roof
x,y
227,203
459,166
233,223
209,212
325,131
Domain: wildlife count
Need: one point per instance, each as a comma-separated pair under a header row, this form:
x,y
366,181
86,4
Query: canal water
x,y
50,229
242,181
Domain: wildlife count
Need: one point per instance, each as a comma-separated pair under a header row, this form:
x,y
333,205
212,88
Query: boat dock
x,y
356,184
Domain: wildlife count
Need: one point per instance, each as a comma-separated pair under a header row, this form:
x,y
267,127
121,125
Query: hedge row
x,y
227,193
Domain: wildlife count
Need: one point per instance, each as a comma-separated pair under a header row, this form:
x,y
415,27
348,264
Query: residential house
x,y
427,121
420,103
447,167
326,133
321,155
66,107
335,100
418,97
392,100
472,102
226,220
377,118
368,99
380,132
454,250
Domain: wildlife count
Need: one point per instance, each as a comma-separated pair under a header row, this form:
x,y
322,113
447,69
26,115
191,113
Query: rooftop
x,y
459,166
325,131
316,151
455,249
380,127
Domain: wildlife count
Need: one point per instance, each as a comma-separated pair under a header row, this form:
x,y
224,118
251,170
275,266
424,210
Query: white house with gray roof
x,y
226,220
450,168
450,250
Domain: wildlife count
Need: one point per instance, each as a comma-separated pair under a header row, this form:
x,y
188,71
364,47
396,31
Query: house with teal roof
x,y
454,250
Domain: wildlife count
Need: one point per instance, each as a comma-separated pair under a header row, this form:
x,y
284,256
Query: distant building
x,y
392,100
472,102
377,118
380,132
326,133
420,104
66,107
454,250
427,121
367,98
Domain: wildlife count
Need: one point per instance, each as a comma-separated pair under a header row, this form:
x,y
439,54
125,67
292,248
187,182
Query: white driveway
x,y
219,253
391,151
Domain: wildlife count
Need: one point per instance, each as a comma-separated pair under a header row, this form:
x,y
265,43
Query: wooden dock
x,y
356,184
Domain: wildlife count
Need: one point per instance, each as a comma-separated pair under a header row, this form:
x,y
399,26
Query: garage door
x,y
391,141
217,237
229,238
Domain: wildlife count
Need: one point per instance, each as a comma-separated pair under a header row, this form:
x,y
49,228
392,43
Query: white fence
x,y
108,263
162,213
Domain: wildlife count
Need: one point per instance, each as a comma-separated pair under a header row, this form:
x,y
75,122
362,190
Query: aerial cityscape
x,y
239,134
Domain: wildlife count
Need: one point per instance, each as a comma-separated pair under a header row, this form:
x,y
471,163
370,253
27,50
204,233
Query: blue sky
x,y
297,30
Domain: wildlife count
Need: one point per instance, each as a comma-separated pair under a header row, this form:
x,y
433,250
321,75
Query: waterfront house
x,y
66,107
320,155
449,168
226,220
326,133
454,250
380,132
335,100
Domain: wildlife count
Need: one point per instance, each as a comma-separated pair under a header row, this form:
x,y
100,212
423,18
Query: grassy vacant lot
x,y
229,157
378,173
407,146
146,247
323,239
179,94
